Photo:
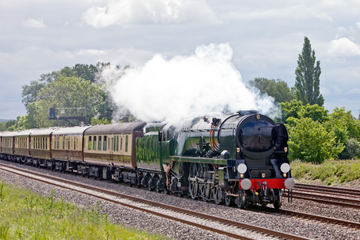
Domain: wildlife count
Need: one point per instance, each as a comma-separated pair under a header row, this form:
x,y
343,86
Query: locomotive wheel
x,y
193,189
228,200
149,184
157,188
277,203
203,192
241,199
166,191
218,195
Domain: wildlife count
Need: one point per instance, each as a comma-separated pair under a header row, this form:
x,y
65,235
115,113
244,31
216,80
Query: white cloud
x,y
128,12
292,12
33,23
358,24
90,52
344,46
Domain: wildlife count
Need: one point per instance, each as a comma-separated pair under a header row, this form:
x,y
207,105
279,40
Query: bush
x,y
352,150
310,142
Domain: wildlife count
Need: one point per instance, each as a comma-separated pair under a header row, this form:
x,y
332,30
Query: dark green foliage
x,y
307,83
31,91
87,72
277,89
352,150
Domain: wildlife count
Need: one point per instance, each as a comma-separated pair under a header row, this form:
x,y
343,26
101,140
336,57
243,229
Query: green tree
x,y
315,112
84,71
347,130
307,83
277,89
69,92
290,109
97,121
296,110
311,142
31,116
30,92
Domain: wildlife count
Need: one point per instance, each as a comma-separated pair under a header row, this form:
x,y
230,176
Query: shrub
x,y
310,142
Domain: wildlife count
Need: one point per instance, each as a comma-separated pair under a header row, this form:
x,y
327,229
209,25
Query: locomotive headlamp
x,y
285,149
245,184
285,167
289,183
242,168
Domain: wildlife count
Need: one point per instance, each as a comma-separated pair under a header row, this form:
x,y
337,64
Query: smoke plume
x,y
183,86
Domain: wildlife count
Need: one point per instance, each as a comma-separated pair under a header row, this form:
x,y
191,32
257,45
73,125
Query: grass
x,y
331,172
26,215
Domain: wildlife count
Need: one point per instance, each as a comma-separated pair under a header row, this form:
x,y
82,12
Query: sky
x,y
266,37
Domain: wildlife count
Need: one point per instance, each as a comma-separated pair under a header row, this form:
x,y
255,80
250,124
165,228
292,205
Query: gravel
x,y
129,217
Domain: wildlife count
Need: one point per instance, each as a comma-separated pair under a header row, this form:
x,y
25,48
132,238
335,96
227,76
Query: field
x,y
342,173
26,215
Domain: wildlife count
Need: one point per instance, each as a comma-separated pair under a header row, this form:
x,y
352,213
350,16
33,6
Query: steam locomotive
x,y
236,159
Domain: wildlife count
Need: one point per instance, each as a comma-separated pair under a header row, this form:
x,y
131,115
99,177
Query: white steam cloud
x,y
184,86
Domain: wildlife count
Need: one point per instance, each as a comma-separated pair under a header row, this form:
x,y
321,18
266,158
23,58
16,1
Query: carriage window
x,y
114,145
46,143
105,143
89,143
117,143
94,144
121,143
126,143
74,143
99,143
68,143
58,143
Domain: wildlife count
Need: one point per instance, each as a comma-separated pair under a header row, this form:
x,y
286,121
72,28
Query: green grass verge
x,y
26,215
331,172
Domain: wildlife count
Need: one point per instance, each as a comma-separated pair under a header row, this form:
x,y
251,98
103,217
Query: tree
x,y
30,92
307,83
290,109
347,130
310,142
277,89
84,71
69,92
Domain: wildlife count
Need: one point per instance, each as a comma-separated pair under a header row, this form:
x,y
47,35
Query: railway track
x,y
84,189
327,190
327,195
